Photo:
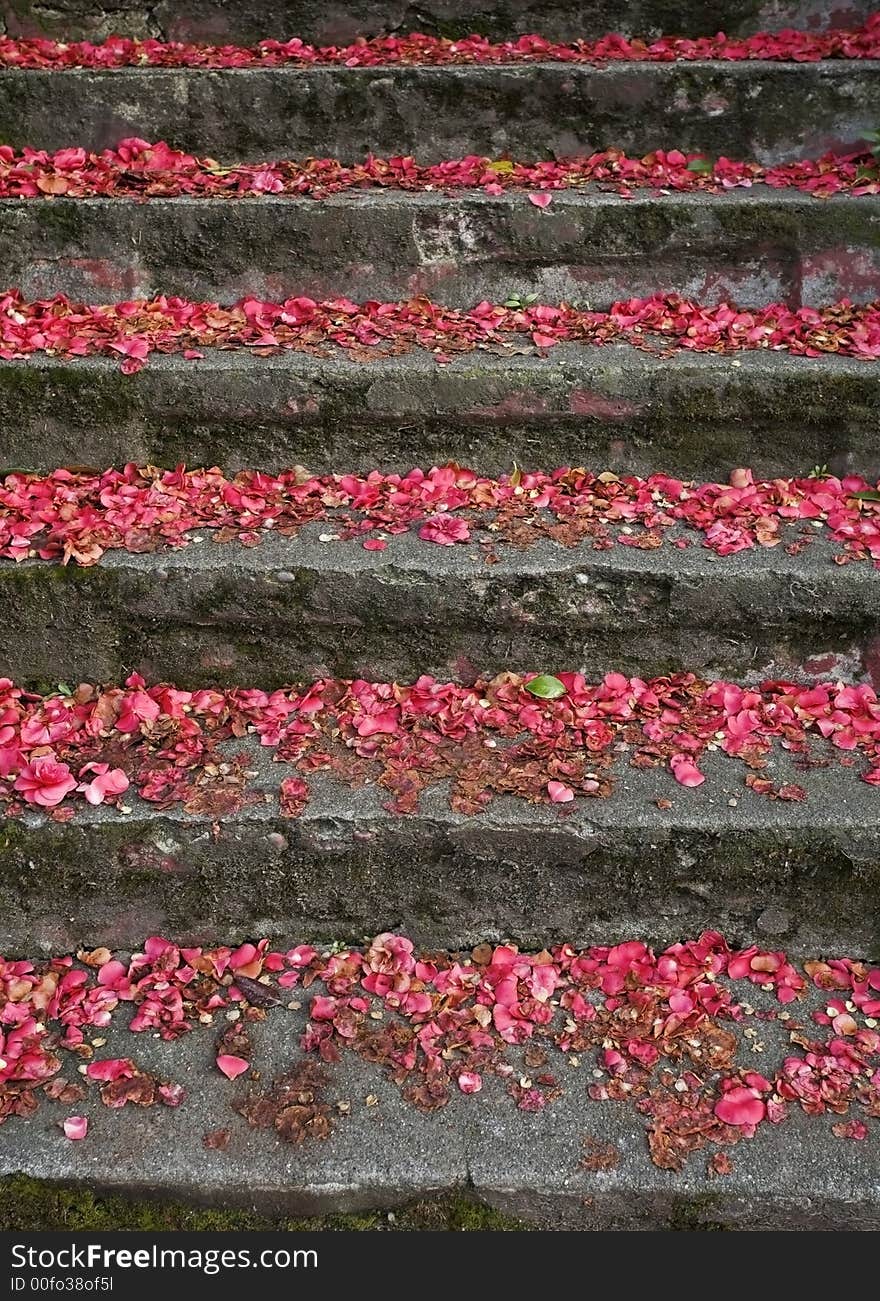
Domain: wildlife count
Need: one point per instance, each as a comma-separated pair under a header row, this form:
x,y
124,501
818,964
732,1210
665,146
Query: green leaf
x,y
512,302
64,689
700,165
869,494
546,687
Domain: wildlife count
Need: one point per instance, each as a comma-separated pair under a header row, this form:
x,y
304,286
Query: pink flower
x,y
232,1066
76,1127
107,781
266,181
470,1082
559,793
45,781
445,530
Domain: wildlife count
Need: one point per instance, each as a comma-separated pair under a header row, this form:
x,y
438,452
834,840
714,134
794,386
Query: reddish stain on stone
x,y
106,275
714,105
853,273
147,858
465,670
522,403
585,402
871,661
820,664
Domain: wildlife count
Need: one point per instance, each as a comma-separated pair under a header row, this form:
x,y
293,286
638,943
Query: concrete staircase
x,y
653,861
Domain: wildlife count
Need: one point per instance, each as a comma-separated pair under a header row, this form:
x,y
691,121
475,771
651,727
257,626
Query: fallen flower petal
x,y
232,1066
741,1106
685,771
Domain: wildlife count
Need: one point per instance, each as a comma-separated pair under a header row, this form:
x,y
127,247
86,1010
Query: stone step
x,y
721,855
752,246
579,1162
613,406
338,21
226,615
768,111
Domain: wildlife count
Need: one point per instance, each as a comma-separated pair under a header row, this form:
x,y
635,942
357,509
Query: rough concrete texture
x,y
338,21
752,246
796,1175
721,856
614,407
768,111
232,615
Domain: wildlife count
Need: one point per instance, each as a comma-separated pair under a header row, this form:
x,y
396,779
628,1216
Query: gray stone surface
x,y
614,407
791,1176
336,21
768,111
751,246
230,615
718,857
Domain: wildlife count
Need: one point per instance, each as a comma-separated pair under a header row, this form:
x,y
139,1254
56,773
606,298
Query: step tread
x,y
791,1175
409,554
589,196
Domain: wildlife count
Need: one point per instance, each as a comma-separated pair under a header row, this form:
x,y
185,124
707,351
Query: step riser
x,y
613,407
226,624
341,21
620,1210
445,883
768,111
751,248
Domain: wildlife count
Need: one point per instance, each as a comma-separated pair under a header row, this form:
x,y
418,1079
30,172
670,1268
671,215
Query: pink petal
x,y
685,771
76,1127
541,200
111,1068
470,1082
740,1106
559,793
231,1066
112,972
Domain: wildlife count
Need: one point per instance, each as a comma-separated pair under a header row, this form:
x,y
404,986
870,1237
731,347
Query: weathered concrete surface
x,y
752,246
230,615
768,111
614,407
337,21
720,857
795,1175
